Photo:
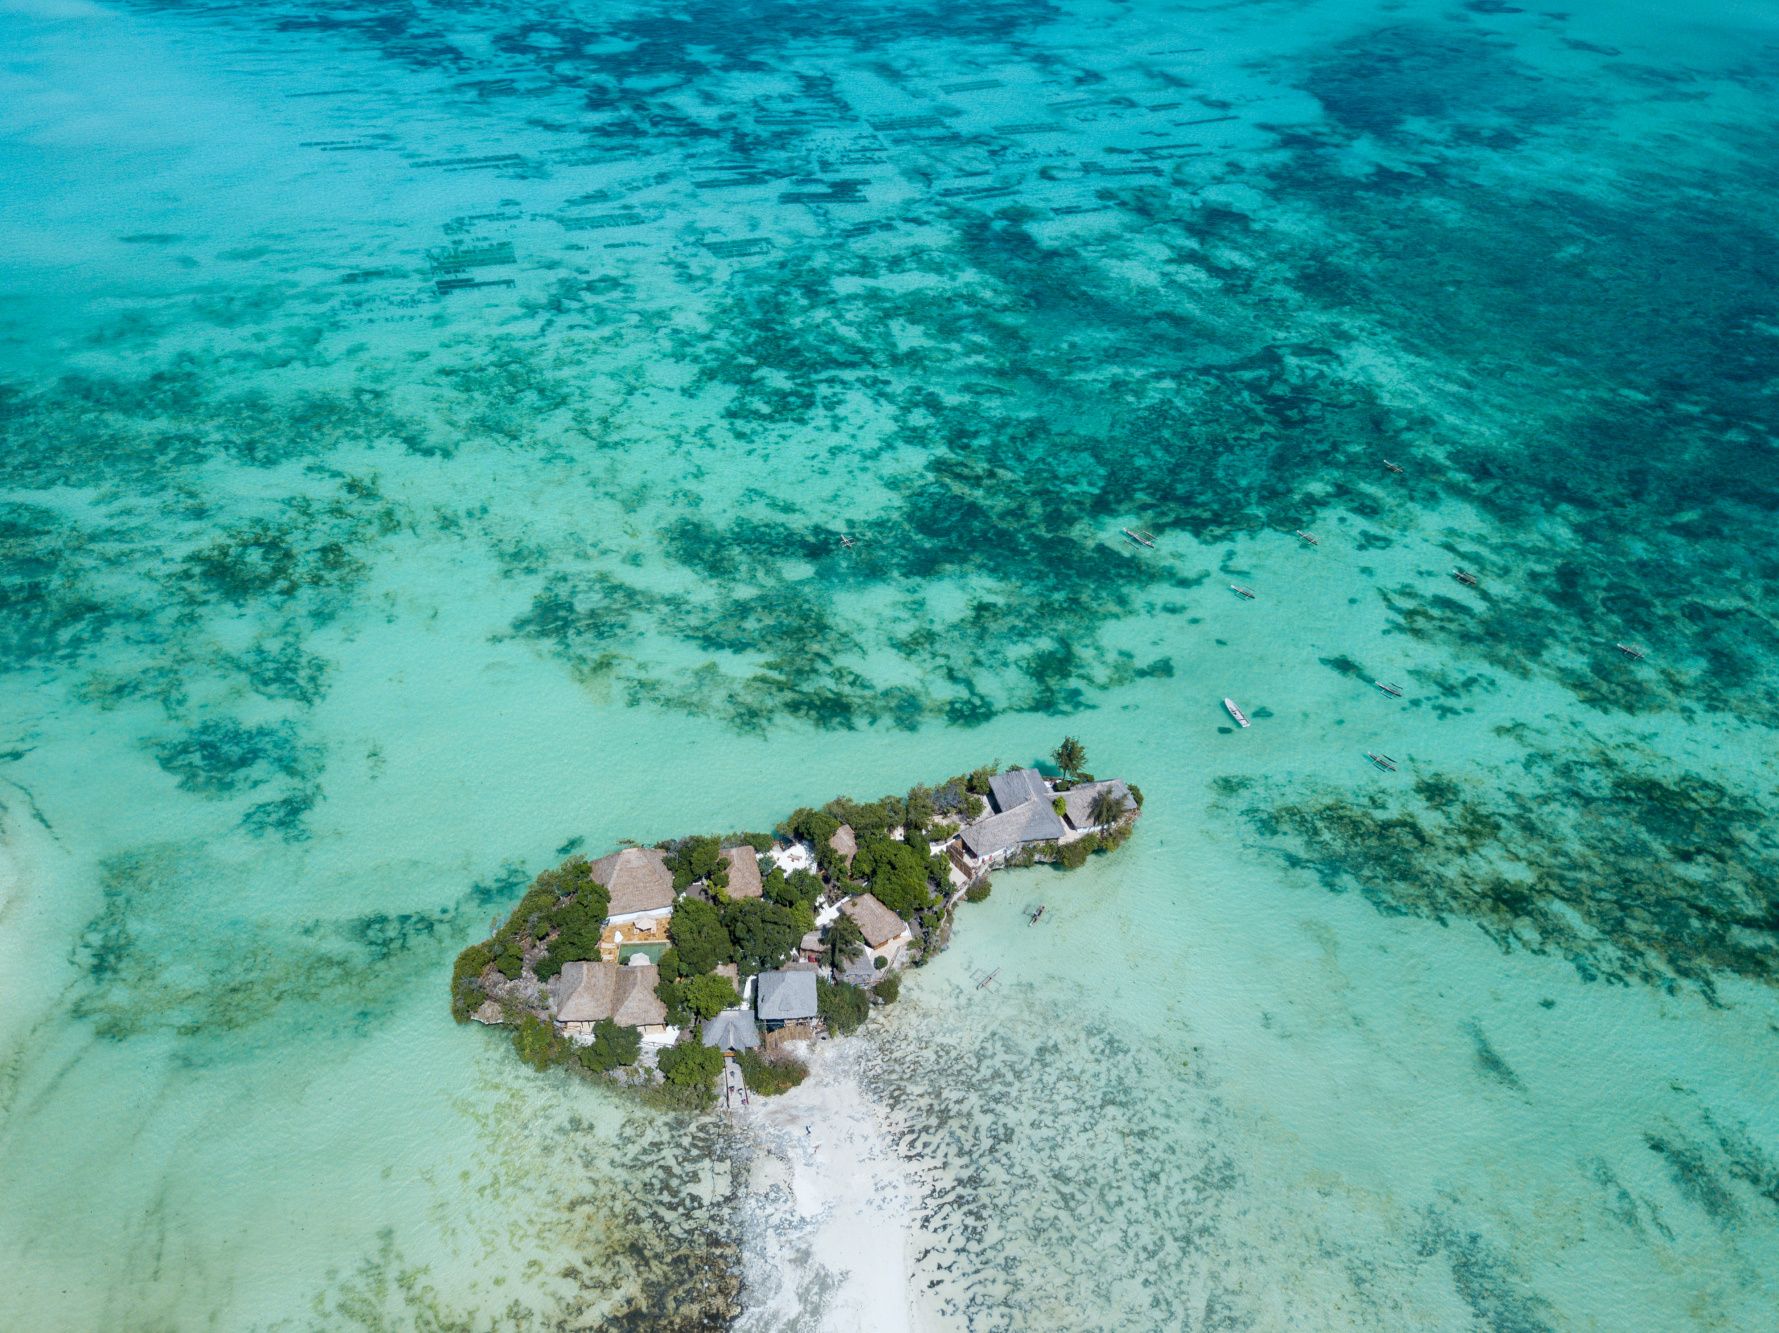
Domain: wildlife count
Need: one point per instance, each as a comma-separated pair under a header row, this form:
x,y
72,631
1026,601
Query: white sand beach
x,y
830,1208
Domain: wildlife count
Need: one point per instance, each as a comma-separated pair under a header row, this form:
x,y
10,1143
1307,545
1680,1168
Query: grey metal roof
x,y
732,1030
781,996
1035,821
1015,787
1079,800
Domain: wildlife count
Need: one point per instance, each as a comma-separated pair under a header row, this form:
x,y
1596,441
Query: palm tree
x,y
845,941
1070,757
1107,807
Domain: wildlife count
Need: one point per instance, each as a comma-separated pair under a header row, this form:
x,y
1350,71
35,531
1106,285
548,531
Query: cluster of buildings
x,y
1024,810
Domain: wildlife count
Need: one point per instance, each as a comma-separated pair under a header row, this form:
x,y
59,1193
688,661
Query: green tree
x,y
708,995
699,940
1070,756
612,1047
889,990
841,1006
1107,807
845,941
538,1043
691,1064
466,987
896,873
693,859
768,1078
764,934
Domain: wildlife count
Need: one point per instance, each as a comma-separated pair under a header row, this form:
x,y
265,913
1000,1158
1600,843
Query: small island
x,y
701,960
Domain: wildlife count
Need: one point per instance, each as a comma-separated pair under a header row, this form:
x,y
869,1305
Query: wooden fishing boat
x,y
1630,650
1465,577
1383,761
1246,594
1394,467
1241,718
1140,538
1394,691
1307,537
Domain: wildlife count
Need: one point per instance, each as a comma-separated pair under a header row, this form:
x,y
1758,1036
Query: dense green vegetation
x,y
613,1048
841,1006
559,918
762,935
768,1078
708,995
699,941
691,1066
898,874
693,859
889,990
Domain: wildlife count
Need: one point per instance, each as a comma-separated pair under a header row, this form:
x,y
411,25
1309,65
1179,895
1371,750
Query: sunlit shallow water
x,y
337,604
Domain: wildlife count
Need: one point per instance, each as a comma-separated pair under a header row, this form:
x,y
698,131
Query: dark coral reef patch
x,y
1633,872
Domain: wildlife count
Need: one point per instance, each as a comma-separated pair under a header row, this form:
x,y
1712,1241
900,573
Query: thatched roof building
x,y
744,873
846,842
637,879
876,922
586,992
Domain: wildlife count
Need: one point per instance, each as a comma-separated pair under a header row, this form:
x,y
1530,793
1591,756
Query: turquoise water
x,y
336,604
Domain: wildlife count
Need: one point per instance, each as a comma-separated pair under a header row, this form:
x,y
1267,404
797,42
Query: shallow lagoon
x,y
335,605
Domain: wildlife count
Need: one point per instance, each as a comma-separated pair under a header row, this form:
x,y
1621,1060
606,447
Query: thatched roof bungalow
x,y
583,993
744,873
638,880
846,842
885,933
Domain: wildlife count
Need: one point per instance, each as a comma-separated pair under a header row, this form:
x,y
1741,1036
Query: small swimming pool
x,y
652,952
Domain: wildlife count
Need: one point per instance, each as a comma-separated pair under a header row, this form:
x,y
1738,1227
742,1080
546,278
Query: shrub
x,y
841,1006
879,963
612,1046
511,964
692,1065
889,990
708,995
1060,806
538,1043
977,782
768,1078
693,859
698,936
1073,855
764,934
466,987
897,874
978,892
1136,794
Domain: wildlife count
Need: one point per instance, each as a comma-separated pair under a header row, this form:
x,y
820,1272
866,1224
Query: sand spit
x,y
830,1207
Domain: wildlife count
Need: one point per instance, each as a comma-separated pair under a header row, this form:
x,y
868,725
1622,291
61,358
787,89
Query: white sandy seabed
x,y
831,1208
